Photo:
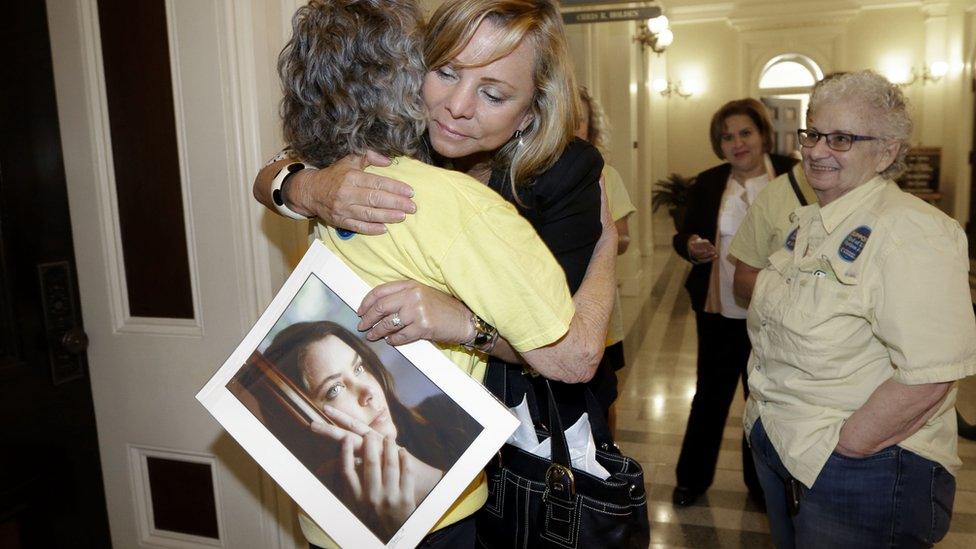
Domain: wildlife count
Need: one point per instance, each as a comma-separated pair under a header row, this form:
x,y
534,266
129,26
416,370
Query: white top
x,y
735,202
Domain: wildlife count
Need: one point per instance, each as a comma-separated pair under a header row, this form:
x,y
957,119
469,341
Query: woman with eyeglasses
x,y
860,327
742,135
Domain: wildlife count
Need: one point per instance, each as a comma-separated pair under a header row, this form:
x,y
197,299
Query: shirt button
x,y
763,323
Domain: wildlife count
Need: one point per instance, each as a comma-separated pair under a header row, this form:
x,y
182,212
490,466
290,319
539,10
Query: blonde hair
x,y
555,106
597,126
867,88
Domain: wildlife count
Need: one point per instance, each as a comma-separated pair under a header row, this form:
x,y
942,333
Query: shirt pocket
x,y
823,322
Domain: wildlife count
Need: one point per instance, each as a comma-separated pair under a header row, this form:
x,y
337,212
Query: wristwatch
x,y
485,335
277,196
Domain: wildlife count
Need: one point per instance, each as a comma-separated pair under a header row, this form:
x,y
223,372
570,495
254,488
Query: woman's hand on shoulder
x,y
405,311
343,195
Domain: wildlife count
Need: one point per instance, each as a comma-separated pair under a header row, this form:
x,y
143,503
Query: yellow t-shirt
x,y
873,286
767,222
467,241
618,200
620,206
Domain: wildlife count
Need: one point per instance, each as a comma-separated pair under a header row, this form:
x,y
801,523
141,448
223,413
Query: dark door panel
x,y
50,476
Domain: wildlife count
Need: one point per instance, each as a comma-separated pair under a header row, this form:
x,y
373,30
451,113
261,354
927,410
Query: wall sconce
x,y
932,73
655,33
668,88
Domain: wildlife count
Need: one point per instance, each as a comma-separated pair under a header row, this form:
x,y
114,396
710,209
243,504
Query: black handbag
x,y
535,502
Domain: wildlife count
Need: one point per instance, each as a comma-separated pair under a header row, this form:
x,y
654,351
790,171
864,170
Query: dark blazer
x,y
704,201
563,205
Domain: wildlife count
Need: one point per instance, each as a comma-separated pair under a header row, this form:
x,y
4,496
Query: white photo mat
x,y
496,422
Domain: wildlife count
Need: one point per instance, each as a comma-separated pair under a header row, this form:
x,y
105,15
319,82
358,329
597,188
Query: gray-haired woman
x,y
860,327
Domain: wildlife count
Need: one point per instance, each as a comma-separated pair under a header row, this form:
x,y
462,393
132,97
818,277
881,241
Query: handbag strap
x,y
796,187
495,380
598,422
560,449
505,387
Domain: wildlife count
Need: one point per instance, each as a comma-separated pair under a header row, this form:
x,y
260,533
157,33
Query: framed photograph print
x,y
334,418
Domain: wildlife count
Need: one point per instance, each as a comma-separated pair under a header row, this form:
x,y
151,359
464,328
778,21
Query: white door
x,y
145,371
786,116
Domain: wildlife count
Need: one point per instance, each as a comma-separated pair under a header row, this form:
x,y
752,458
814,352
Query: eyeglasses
x,y
838,141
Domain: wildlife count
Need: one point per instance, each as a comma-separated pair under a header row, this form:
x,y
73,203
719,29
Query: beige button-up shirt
x,y
870,287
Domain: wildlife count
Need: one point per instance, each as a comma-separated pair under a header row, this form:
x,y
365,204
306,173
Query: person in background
x,y
766,226
741,135
767,223
861,324
594,128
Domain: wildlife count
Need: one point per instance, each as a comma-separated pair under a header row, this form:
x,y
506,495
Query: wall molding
x,y
822,43
243,107
756,15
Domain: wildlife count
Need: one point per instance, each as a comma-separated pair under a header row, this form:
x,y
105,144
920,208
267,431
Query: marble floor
x,y
655,395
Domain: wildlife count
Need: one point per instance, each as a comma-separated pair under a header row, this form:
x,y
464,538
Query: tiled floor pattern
x,y
655,395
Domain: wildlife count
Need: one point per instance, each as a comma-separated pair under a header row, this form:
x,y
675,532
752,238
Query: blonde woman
x,y
502,108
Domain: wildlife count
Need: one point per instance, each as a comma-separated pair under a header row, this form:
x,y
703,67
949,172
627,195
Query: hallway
x,y
655,395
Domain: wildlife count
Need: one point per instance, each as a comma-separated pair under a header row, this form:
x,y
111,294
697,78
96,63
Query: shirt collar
x,y
836,212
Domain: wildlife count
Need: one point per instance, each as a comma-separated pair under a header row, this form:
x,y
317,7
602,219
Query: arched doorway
x,y
784,87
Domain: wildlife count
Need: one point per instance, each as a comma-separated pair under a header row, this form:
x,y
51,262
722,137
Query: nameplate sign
x,y
610,15
923,165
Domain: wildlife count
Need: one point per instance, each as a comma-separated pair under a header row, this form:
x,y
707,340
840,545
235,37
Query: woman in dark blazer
x,y
741,134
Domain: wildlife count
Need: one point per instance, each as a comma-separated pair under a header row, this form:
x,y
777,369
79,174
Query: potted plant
x,y
672,193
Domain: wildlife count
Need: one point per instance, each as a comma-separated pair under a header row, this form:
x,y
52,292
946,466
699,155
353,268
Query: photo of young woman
x,y
329,398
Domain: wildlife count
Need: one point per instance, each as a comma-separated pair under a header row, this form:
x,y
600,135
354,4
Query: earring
x,y
518,135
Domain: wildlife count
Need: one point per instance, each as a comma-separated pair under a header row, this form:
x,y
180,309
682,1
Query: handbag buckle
x,y
559,480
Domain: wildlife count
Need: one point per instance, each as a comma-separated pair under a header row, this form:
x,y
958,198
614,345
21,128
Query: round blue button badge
x,y
791,240
345,234
853,245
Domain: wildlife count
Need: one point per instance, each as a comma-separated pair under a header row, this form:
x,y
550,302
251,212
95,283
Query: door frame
x,y
247,45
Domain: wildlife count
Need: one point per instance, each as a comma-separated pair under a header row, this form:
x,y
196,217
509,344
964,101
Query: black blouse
x,y
563,205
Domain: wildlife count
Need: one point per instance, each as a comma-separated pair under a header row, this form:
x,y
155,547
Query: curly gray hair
x,y
867,88
351,76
